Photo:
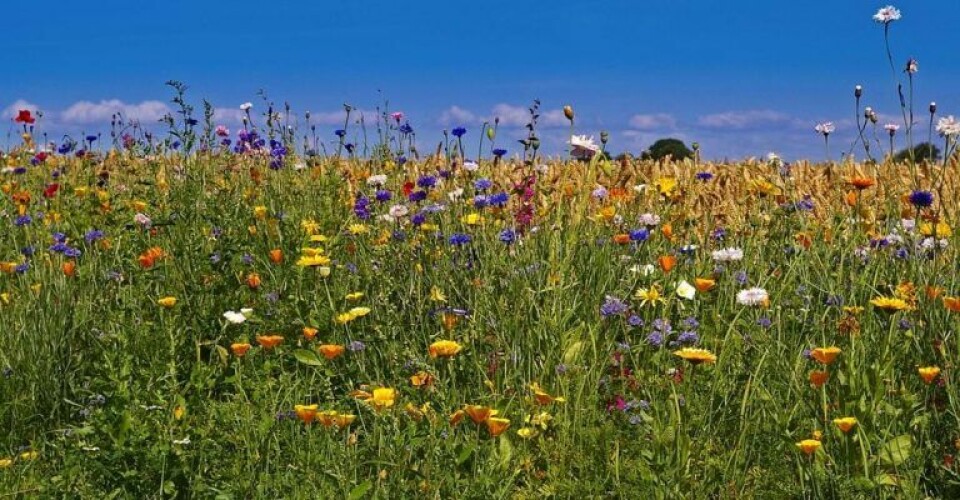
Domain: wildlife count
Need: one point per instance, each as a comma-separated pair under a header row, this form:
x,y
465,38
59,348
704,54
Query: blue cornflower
x,y
23,220
508,236
704,176
22,268
458,132
426,181
480,201
406,129
499,152
639,234
613,306
764,322
93,235
688,337
741,277
418,218
718,234
356,346
499,199
635,321
691,323
340,133
921,199
91,138
655,339
458,239
662,325
28,251
72,253
383,196
482,184
417,196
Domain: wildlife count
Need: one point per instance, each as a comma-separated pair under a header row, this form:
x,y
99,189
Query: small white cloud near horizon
x,y
510,117
655,121
87,112
741,120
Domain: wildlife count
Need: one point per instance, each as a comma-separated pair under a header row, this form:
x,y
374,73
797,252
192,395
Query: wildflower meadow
x,y
282,309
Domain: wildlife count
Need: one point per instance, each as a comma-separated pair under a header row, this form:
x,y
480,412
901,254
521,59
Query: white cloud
x,y
456,116
84,112
657,121
741,120
227,116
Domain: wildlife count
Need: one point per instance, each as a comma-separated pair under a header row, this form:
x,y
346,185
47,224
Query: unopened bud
x,y
490,133
535,143
695,146
857,91
568,112
933,108
604,136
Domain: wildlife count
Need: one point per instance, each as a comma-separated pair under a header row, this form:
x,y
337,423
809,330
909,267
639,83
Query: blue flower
x,y
499,199
764,322
458,239
613,306
480,201
482,184
459,131
383,196
417,196
426,181
499,152
356,346
704,176
340,133
639,234
23,220
508,236
688,337
655,339
921,199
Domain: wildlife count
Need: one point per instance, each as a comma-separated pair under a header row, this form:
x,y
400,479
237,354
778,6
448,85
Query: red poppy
x,y
408,188
41,157
24,116
51,190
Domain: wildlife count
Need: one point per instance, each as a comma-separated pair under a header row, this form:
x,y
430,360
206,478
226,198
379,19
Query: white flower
x,y
887,15
246,106
892,128
908,225
825,128
182,442
299,165
649,219
752,296
948,126
456,194
731,254
543,168
686,290
234,317
470,166
617,219
377,180
583,147
640,188
398,211
644,270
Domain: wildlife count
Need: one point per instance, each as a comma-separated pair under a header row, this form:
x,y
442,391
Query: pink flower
x,y
397,116
222,131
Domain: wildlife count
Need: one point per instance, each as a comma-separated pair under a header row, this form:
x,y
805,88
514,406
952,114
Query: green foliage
x,y
664,148
922,152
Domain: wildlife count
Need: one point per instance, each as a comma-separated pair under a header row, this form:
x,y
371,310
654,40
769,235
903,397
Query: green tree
x,y
675,148
921,152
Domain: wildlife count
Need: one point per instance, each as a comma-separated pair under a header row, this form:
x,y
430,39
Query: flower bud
x,y
535,143
604,136
695,146
491,133
568,112
857,91
933,108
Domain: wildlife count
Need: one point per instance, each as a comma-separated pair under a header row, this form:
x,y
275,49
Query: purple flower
x,y
417,196
655,339
383,196
741,277
635,321
764,322
921,199
639,234
23,220
458,132
688,338
427,181
499,199
613,306
704,176
508,236
458,239
356,346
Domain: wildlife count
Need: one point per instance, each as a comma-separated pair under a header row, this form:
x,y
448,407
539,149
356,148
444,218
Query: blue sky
x,y
742,78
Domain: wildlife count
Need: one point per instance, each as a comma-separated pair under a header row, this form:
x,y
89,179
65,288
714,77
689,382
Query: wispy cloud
x,y
12,110
656,121
744,120
87,112
510,116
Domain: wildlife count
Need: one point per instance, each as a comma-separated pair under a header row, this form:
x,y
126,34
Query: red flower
x,y
408,188
41,157
51,190
24,116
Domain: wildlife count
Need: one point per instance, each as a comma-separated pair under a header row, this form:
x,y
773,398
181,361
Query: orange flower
x,y
421,379
240,349
327,418
269,341
928,373
850,198
704,285
306,413
276,256
861,183
331,351
667,262
253,281
450,321
952,303
309,333
845,424
477,413
809,446
803,239
667,231
497,426
825,355
444,349
456,417
818,378
621,238
69,268
933,291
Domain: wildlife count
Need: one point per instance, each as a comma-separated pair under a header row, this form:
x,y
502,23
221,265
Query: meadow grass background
x,y
106,394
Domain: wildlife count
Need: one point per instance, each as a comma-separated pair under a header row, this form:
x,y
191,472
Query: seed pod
x,y
568,112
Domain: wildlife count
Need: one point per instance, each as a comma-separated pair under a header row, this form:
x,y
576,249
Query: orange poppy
x,y
276,256
240,349
309,333
477,413
253,281
704,285
69,268
862,183
331,351
621,238
952,303
667,262
818,378
269,341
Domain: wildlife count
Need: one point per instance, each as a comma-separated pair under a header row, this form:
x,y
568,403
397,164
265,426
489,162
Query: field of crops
x,y
240,324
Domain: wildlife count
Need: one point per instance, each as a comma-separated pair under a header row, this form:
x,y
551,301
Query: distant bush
x,y
921,152
674,148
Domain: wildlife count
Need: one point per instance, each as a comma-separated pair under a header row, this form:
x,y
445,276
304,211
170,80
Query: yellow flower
x,y
29,455
472,219
845,423
318,238
357,229
541,420
696,356
479,414
436,294
527,432
167,302
943,230
178,412
355,296
383,398
310,226
344,318
542,397
260,212
317,260
667,185
497,426
359,312
854,310
607,213
763,188
5,463
890,304
649,296
444,349
928,373
809,446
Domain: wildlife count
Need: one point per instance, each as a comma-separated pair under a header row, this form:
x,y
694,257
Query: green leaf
x,y
897,450
506,451
307,357
572,353
360,490
465,454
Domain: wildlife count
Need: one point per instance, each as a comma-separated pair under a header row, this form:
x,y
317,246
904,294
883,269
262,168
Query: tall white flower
x,y
377,180
246,106
825,128
582,146
686,290
887,15
892,128
948,126
752,296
